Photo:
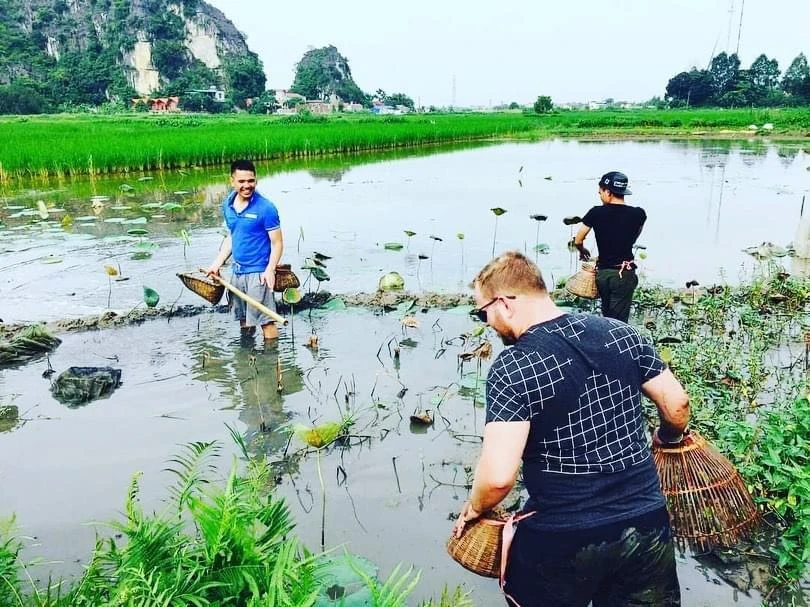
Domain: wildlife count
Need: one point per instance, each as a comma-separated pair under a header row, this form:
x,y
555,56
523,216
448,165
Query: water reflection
x,y
706,201
251,378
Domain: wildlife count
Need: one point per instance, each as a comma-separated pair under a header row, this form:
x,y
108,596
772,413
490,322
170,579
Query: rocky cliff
x,y
89,51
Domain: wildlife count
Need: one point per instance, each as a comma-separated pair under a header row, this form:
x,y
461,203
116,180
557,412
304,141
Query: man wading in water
x,y
565,400
255,239
616,226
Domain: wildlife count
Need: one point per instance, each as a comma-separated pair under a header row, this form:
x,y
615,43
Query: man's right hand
x,y
584,254
213,270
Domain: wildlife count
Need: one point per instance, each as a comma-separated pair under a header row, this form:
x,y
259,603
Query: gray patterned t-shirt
x,y
577,379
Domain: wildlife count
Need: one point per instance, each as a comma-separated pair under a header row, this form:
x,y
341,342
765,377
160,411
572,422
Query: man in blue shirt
x,y
565,400
256,243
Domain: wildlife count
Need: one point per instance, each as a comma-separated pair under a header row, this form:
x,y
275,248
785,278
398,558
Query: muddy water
x,y
705,200
186,378
389,495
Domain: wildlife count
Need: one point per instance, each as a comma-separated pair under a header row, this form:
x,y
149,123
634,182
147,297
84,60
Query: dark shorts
x,y
631,563
616,292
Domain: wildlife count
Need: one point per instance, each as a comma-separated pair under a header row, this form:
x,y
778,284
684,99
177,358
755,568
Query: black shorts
x,y
622,564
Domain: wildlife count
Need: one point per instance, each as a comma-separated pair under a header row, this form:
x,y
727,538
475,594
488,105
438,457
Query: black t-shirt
x,y
616,227
577,379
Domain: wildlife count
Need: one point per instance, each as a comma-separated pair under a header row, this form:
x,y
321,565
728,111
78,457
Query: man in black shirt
x,y
617,227
565,401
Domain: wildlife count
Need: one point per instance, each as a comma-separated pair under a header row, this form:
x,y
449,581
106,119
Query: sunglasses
x,y
481,313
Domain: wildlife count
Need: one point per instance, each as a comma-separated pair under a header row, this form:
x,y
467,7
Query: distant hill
x,y
57,53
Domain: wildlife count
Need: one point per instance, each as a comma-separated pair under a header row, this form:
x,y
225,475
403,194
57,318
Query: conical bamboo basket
x,y
479,547
583,283
709,504
203,285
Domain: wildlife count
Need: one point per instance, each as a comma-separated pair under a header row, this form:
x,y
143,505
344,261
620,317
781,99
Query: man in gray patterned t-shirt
x,y
566,401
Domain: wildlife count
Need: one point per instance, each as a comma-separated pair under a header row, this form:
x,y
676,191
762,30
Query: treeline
x,y
725,84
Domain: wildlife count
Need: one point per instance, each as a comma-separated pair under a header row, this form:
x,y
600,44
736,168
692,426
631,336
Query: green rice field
x,y
87,144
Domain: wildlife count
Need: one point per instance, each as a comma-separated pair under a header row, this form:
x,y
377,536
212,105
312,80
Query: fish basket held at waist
x,y
709,504
203,285
479,547
285,278
583,283
212,290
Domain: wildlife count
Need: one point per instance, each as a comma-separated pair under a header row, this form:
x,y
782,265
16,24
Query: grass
x,y
220,542
95,145
69,145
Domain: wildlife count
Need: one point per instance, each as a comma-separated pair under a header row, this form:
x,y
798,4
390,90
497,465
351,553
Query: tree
x,y
796,81
543,104
21,99
245,77
323,72
197,102
264,104
725,70
764,73
693,88
399,99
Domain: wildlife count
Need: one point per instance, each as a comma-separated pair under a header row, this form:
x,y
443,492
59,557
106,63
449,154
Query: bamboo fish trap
x,y
708,502
479,548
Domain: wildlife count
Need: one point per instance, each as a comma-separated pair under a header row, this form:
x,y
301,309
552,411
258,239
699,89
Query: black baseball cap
x,y
615,182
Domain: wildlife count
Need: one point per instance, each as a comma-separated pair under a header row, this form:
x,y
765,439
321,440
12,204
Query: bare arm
x,y
224,252
579,240
276,250
672,402
497,469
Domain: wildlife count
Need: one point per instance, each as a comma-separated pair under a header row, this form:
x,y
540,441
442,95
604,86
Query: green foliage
x,y
245,77
725,346
774,458
796,81
323,72
216,544
399,99
264,104
724,84
90,42
19,98
543,104
10,549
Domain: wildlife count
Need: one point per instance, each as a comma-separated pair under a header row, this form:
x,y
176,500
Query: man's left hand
x,y
268,278
467,514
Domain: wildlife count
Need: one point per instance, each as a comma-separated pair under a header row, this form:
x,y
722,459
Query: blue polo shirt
x,y
249,239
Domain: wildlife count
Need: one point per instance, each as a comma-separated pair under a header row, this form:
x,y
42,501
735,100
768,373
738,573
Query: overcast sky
x,y
501,51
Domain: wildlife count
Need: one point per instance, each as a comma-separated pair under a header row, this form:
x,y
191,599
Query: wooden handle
x,y
253,302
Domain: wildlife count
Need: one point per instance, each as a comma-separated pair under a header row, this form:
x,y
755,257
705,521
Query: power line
x,y
739,31
730,19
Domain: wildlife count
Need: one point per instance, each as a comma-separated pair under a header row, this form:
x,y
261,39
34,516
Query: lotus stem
x,y
494,235
323,501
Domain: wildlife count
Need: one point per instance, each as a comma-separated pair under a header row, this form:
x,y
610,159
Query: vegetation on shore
x,y
68,145
219,541
743,355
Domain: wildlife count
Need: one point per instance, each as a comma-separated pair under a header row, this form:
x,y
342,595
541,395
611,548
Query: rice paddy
x,y
68,145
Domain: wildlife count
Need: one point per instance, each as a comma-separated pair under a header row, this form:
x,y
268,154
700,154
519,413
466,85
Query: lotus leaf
x,y
150,297
291,295
392,281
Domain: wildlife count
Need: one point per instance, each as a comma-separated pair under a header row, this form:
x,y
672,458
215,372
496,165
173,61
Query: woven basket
x,y
285,278
479,547
203,285
583,283
709,504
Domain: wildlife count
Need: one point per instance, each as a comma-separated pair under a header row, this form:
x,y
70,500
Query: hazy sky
x,y
501,51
